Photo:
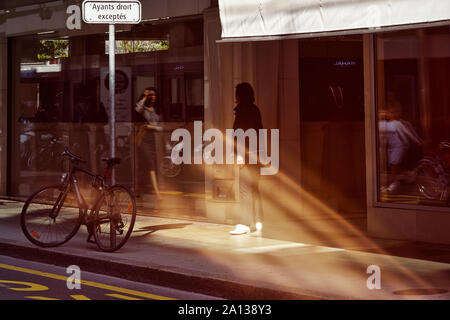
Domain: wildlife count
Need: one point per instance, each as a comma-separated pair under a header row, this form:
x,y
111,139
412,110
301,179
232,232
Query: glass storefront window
x,y
53,49
60,97
413,106
126,46
331,90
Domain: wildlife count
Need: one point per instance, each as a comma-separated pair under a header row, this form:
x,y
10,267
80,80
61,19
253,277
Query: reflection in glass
x,y
59,97
413,116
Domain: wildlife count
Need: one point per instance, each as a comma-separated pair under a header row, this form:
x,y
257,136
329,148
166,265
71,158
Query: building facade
x,y
341,82
337,93
55,93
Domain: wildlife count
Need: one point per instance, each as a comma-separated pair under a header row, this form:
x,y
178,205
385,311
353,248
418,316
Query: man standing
x,y
248,116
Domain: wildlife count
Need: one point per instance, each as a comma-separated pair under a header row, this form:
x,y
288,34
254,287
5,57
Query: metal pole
x,y
112,87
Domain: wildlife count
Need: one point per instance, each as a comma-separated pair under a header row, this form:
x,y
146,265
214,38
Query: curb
x,y
176,280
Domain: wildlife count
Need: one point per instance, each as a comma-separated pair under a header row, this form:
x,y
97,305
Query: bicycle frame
x,y
71,180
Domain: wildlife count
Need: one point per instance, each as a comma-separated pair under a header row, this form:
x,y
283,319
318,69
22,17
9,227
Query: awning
x,y
281,18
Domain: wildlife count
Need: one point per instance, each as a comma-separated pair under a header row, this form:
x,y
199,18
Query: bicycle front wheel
x,y
50,216
114,218
431,180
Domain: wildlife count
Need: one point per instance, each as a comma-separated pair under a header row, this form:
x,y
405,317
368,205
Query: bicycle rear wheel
x,y
50,216
431,180
114,218
169,169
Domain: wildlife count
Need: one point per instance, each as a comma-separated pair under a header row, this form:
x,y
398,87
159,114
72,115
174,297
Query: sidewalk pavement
x,y
203,257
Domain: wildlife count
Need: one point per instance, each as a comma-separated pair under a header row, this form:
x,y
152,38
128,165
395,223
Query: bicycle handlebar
x,y
72,157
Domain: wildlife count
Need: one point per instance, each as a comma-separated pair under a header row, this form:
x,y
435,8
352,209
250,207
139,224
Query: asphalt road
x,y
27,280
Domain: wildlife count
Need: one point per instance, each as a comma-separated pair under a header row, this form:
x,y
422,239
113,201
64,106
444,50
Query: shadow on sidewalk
x,y
151,229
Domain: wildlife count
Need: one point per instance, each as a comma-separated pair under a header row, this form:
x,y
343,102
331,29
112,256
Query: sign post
x,y
112,13
112,95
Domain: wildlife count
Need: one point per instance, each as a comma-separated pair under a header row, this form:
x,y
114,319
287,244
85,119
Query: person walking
x,y
148,107
398,137
248,116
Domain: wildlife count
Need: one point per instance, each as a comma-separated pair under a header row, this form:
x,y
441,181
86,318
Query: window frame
x,y
374,133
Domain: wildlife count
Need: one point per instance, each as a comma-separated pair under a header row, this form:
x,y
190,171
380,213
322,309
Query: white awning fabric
x,y
263,18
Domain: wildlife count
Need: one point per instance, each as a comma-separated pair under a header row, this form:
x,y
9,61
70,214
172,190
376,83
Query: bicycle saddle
x,y
111,161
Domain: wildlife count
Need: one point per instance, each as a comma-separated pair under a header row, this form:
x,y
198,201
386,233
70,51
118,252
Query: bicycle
x,y
53,215
433,174
167,167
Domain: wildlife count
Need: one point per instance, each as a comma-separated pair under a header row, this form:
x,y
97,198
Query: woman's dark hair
x,y
157,105
245,93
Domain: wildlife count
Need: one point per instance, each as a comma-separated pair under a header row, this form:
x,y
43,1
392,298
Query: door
x,y
332,122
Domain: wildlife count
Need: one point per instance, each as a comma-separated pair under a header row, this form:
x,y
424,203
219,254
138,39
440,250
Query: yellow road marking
x,y
31,286
401,196
87,283
171,192
197,195
40,298
79,297
120,296
186,194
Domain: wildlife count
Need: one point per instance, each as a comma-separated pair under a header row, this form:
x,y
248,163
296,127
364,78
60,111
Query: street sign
x,y
112,12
